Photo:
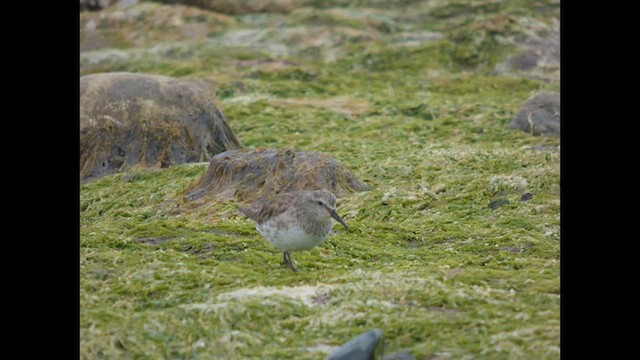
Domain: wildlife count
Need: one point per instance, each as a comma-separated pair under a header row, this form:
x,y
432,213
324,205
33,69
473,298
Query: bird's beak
x,y
335,215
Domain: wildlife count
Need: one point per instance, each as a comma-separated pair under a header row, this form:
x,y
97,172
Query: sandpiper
x,y
295,221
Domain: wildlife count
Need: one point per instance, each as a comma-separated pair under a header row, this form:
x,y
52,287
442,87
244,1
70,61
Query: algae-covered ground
x,y
404,93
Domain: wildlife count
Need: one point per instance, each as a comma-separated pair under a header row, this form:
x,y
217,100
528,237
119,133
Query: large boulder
x,y
248,175
540,115
128,119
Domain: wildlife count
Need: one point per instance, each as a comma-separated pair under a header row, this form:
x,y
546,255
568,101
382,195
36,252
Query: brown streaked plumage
x,y
295,221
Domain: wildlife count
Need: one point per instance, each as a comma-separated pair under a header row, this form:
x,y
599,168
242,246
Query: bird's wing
x,y
269,208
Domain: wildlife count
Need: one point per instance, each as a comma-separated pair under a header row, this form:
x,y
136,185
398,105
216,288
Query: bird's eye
x,y
320,203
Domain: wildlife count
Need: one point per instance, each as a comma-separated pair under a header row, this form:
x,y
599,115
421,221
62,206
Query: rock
x,y
526,197
251,174
497,203
242,7
540,115
538,51
92,5
362,347
157,121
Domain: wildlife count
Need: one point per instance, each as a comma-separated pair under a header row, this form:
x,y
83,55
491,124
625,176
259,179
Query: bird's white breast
x,y
290,236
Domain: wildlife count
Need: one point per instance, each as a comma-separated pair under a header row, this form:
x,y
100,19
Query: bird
x,y
295,221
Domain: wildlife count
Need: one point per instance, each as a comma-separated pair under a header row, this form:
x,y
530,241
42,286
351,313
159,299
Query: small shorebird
x,y
295,221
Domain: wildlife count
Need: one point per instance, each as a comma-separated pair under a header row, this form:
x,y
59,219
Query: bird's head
x,y
323,203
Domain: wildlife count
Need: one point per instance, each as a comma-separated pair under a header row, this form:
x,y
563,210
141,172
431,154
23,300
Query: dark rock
x,y
254,174
156,121
94,5
497,203
362,347
526,197
538,51
540,115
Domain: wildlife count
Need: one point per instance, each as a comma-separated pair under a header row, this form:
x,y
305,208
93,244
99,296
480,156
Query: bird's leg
x,y
288,262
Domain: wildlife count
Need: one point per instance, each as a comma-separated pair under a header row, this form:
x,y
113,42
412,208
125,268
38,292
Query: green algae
x,y
425,259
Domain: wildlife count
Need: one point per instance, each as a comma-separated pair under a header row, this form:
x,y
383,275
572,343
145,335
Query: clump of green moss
x,y
248,175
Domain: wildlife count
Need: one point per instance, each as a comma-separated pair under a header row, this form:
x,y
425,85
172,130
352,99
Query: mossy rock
x,y
254,174
145,24
537,51
540,115
128,119
242,7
